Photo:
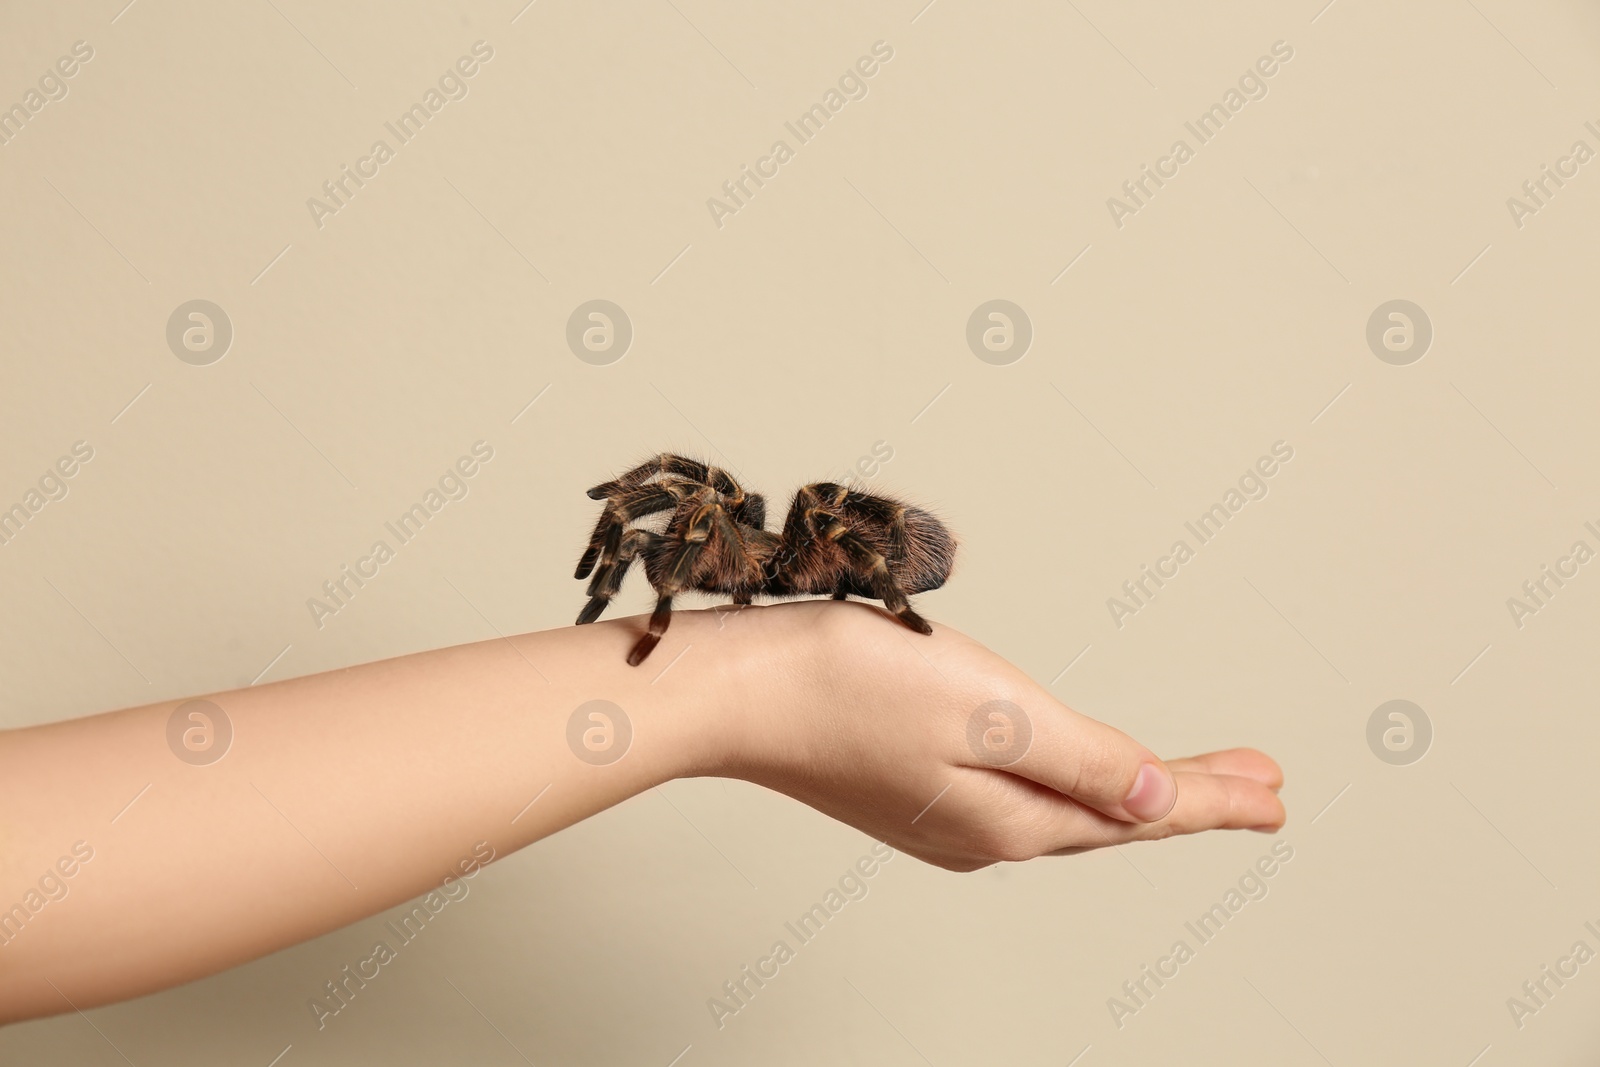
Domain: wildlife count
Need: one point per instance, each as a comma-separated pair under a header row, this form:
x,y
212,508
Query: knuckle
x,y
1102,771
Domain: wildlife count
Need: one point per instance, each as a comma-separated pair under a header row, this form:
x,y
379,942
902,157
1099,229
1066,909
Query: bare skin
x,y
345,793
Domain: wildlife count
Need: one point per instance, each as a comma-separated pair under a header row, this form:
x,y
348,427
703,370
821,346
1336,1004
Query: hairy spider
x,y
836,540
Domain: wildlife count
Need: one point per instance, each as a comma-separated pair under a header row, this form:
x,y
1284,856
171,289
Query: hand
x,y
869,723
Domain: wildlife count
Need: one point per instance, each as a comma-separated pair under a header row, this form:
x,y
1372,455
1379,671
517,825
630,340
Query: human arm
x,y
345,793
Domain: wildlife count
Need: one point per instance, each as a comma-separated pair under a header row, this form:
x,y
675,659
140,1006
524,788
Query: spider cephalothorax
x,y
836,540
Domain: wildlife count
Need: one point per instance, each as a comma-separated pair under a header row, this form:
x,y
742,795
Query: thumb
x,y
1082,758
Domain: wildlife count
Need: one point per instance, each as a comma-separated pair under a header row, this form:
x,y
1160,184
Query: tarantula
x,y
835,540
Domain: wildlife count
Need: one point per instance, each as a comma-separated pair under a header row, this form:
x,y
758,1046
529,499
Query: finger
x,y
1205,802
1243,762
1220,802
1082,758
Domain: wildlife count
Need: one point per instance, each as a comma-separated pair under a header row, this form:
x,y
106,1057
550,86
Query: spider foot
x,y
643,648
915,621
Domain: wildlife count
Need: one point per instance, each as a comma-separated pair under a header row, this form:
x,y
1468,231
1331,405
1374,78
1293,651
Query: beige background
x,y
824,317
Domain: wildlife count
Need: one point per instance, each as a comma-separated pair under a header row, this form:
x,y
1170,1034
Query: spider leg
x,y
761,552
751,511
891,514
607,582
734,538
664,463
678,570
780,576
597,541
872,568
659,619
629,505
668,463
673,581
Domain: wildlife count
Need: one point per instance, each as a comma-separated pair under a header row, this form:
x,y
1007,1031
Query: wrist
x,y
758,686
783,725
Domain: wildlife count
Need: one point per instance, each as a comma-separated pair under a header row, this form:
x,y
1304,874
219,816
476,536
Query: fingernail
x,y
1154,794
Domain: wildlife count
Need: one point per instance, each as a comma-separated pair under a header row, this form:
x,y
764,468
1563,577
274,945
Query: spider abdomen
x,y
916,548
930,552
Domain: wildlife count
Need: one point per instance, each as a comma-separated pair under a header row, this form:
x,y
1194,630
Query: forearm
x,y
341,794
